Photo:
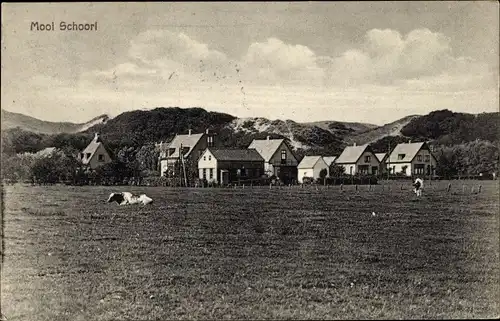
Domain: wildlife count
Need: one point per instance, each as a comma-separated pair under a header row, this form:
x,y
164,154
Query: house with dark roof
x,y
95,154
412,159
224,166
190,147
359,160
311,166
279,159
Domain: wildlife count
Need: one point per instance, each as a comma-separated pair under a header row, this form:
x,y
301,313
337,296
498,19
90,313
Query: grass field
x,y
290,253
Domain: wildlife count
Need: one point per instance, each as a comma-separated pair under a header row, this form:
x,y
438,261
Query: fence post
x,y
341,186
356,187
463,188
479,191
401,186
449,187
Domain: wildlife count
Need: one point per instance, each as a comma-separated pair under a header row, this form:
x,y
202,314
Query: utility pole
x,y
389,161
183,167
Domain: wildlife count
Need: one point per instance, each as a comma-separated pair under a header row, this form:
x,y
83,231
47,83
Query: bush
x,y
352,180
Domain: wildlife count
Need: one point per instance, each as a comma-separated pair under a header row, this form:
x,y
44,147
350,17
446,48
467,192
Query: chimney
x,y
189,132
267,137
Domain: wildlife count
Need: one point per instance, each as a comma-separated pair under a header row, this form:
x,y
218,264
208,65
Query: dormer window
x,y
367,159
171,151
88,155
210,141
401,156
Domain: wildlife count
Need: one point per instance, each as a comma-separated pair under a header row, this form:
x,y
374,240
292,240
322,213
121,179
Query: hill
x,y
12,120
372,135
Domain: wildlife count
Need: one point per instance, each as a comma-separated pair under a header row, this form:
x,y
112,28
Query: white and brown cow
x,y
125,198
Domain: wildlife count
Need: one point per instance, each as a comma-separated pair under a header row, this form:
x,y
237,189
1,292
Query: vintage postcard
x,y
253,160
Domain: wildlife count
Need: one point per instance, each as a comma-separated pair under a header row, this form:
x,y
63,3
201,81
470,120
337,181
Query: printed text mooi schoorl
x,y
63,26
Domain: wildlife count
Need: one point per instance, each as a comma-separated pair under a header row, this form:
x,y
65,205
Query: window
x,y
210,141
101,157
211,173
427,158
171,151
238,172
283,157
257,172
185,150
209,157
401,156
363,169
204,173
204,158
88,155
82,155
243,172
419,158
419,169
367,159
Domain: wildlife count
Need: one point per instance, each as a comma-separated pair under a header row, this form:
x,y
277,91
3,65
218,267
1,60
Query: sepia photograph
x,y
321,160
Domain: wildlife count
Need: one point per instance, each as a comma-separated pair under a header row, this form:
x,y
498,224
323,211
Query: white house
x,y
359,160
279,158
311,166
190,146
95,154
412,159
224,166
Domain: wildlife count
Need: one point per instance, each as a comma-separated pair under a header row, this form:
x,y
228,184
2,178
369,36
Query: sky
x,y
371,62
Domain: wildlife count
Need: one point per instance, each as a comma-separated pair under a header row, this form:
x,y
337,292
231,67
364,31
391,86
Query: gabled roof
x,y
92,148
351,154
184,141
236,155
329,160
266,147
409,150
380,156
309,161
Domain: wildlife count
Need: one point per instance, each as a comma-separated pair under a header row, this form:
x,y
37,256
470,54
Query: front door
x,y
224,177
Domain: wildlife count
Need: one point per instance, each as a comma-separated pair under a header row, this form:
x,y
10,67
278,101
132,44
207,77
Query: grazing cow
x,y
418,186
125,198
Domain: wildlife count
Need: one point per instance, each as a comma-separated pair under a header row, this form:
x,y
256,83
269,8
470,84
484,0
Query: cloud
x,y
174,50
386,56
388,72
276,60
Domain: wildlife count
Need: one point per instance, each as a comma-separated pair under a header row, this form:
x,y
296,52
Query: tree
x,y
336,170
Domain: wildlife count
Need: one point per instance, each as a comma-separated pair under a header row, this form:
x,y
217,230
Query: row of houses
x,y
274,157
407,159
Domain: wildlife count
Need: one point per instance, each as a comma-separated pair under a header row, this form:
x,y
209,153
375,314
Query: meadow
x,y
260,253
